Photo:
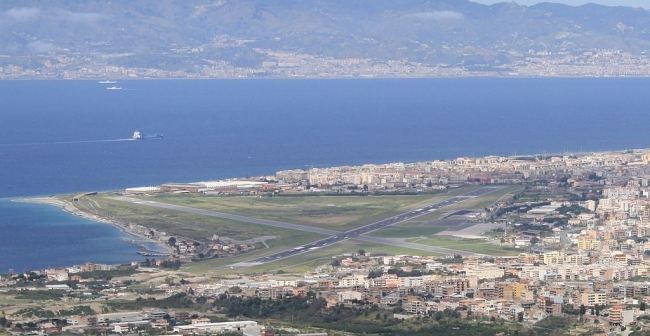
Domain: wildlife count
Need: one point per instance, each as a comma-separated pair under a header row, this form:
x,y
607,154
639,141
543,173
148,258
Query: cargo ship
x,y
137,135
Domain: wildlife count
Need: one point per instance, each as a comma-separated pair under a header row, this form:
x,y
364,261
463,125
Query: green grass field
x,y
477,203
302,262
421,226
493,234
469,245
341,213
406,232
332,212
194,226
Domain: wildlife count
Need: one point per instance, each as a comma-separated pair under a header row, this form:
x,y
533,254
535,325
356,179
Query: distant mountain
x,y
183,35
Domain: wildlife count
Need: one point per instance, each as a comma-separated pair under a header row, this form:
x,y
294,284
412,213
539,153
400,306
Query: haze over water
x,y
217,129
227,128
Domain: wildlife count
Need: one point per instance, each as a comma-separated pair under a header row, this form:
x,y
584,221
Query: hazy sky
x,y
631,3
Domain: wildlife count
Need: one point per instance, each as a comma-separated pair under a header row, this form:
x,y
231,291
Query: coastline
x,y
71,209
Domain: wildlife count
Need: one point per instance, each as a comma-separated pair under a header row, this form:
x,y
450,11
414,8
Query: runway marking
x,y
334,237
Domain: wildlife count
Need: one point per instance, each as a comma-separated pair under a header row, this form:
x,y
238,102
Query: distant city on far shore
x,y
382,39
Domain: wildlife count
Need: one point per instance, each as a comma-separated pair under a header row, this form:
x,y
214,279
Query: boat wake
x,y
62,142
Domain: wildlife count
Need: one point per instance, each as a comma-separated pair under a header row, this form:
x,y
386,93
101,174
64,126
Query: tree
x,y
33,276
176,264
583,310
375,274
469,295
171,241
361,252
365,187
642,305
520,317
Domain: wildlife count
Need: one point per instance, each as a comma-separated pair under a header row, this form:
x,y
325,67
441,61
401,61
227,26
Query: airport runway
x,y
414,246
224,215
334,236
359,233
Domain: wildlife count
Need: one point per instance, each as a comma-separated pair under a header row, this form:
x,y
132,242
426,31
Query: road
x,y
334,236
564,241
564,236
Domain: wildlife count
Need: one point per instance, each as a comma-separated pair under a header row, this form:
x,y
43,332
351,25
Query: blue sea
x,y
53,137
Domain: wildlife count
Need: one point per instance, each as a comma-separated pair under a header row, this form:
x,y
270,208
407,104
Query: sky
x,y
630,3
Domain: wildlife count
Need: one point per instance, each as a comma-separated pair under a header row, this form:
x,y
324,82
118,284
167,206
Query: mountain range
x,y
183,35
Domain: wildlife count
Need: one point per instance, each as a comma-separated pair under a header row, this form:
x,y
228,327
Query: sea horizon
x,y
218,129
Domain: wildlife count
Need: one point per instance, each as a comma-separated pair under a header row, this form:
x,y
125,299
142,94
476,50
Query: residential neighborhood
x,y
575,232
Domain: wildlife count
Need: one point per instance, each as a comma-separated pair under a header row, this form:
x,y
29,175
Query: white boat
x,y
107,82
113,88
137,135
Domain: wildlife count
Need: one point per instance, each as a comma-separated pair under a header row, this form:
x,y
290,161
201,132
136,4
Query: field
x,y
469,245
544,196
409,231
194,226
339,213
302,262
430,224
203,227
331,212
478,203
